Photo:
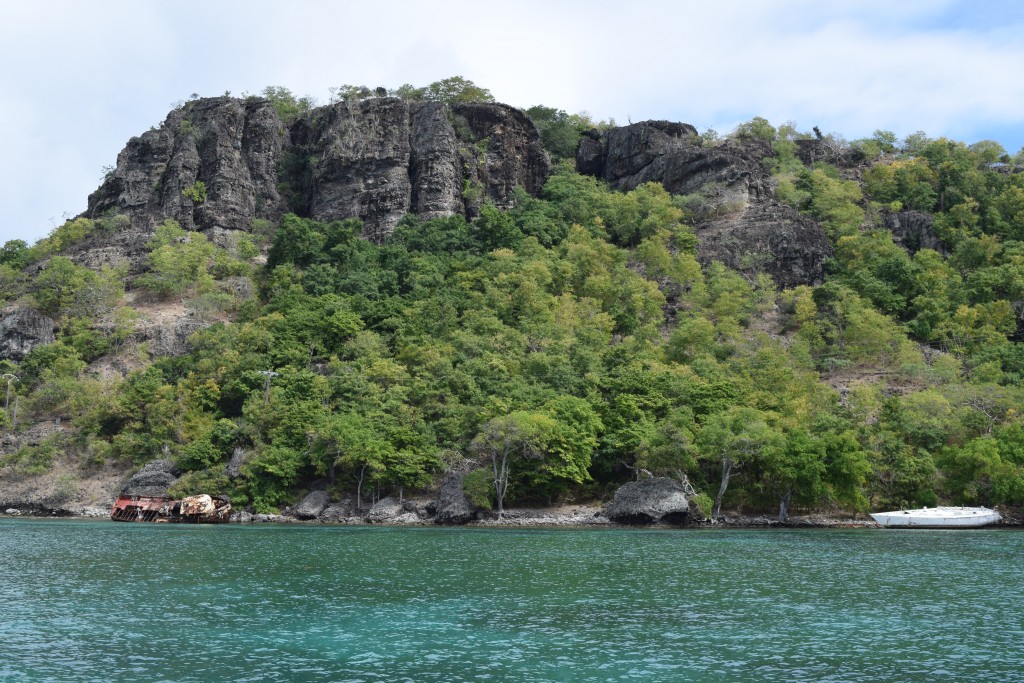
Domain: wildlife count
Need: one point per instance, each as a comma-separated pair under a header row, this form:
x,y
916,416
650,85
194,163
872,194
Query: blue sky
x,y
80,78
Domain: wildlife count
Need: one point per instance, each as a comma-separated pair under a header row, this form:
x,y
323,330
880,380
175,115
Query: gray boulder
x,y
385,509
152,480
453,507
336,512
646,501
313,505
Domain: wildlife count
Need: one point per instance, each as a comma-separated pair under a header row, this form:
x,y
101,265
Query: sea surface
x,y
101,601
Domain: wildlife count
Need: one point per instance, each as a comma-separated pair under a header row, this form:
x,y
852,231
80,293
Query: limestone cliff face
x,y
375,159
738,220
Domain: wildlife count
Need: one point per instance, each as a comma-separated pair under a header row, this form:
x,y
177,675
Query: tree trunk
x,y
784,504
500,464
359,488
726,471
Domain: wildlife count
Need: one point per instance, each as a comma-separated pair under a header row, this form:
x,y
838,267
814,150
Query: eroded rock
x,y
152,480
913,230
313,505
453,507
385,509
658,499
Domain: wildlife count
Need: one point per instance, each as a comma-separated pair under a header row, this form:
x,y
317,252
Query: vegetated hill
x,y
373,292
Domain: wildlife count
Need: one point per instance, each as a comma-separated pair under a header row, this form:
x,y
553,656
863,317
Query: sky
x,y
79,79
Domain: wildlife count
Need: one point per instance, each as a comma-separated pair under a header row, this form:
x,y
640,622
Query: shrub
x,y
196,192
477,487
702,503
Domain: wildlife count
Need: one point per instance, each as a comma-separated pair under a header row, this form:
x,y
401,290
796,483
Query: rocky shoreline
x,y
566,517
653,503
571,517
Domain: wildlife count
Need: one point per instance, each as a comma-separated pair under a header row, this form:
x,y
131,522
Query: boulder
x,y
453,507
385,509
658,499
336,512
152,480
313,505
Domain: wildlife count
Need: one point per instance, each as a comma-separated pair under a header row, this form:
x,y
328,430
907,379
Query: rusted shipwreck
x,y
201,509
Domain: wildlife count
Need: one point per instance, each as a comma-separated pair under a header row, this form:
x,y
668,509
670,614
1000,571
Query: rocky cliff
x,y
220,163
737,219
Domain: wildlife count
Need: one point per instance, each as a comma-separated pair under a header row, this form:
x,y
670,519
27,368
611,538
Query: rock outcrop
x,y
385,509
21,330
338,512
453,507
737,219
152,480
913,230
646,501
313,505
232,146
218,164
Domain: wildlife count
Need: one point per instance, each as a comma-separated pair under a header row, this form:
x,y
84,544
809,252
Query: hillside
x,y
365,296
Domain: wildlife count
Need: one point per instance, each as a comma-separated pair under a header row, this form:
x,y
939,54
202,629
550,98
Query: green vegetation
x,y
196,192
451,90
561,346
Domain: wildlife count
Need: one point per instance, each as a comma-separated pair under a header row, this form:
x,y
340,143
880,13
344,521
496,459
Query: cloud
x,y
95,74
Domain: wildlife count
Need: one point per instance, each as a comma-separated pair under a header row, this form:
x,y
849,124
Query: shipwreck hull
x,y
201,509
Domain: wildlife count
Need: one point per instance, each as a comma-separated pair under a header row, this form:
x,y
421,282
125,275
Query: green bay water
x,y
100,601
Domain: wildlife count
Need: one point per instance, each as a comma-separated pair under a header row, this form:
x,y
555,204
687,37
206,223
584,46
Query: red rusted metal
x,y
201,509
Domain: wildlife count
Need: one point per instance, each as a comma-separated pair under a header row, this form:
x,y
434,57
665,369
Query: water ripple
x,y
99,601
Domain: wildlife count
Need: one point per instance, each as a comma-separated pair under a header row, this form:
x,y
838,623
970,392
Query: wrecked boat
x,y
201,509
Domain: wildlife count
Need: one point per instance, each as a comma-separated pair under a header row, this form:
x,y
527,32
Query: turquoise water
x,y
100,601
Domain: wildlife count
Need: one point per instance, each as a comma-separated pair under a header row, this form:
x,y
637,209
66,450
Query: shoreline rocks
x,y
646,501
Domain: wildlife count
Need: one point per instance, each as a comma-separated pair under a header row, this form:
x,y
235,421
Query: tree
x,y
798,467
352,442
560,132
63,286
179,261
298,240
757,128
506,441
568,443
15,253
456,90
735,437
287,106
